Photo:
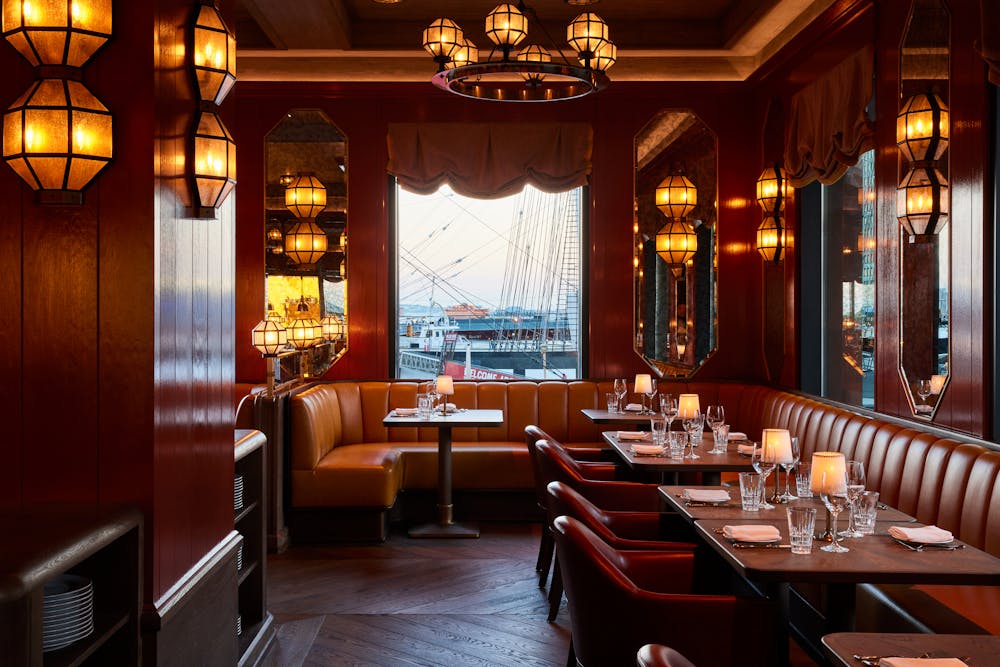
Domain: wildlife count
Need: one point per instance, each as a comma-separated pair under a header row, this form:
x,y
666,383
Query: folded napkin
x,y
405,412
450,407
752,533
745,449
707,495
633,435
647,450
924,534
922,662
633,407
737,435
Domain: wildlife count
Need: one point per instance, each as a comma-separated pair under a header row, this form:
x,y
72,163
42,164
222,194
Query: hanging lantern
x,y
214,163
506,26
269,337
676,196
922,203
214,55
676,242
441,39
772,189
465,54
604,57
57,137
922,128
305,242
57,32
332,327
587,33
533,54
305,196
771,238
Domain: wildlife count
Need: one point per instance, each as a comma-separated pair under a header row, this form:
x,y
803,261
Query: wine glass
x,y
668,406
715,416
924,391
621,389
855,487
788,466
764,468
691,424
650,394
833,493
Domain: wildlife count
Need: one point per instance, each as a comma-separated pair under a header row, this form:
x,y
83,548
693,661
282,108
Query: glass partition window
x,y
489,289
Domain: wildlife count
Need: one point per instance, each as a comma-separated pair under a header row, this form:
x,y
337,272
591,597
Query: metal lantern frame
x,y
57,32
269,337
305,197
214,166
923,128
676,242
676,196
922,203
771,238
213,54
306,243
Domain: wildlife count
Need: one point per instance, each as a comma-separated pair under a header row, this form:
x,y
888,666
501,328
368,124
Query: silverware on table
x,y
698,503
760,545
924,546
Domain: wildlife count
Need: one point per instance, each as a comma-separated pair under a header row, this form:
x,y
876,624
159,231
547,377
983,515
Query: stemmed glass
x,y
715,416
788,466
924,391
650,394
855,487
833,493
668,406
764,468
621,389
691,424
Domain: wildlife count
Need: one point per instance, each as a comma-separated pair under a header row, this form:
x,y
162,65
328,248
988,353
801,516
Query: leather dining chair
x,y
658,655
620,601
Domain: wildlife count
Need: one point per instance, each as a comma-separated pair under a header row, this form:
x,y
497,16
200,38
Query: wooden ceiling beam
x,y
320,24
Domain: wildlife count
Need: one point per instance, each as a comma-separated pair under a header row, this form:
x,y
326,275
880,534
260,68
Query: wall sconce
x,y
771,239
923,128
922,197
772,190
57,136
270,338
922,203
213,61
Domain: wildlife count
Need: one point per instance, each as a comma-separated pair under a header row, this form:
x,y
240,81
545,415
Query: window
x,y
838,304
488,288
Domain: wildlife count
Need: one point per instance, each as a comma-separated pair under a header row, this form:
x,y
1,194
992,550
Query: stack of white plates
x,y
239,626
238,493
239,559
67,611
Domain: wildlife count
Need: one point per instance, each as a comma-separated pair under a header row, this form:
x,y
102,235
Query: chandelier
x,y
529,74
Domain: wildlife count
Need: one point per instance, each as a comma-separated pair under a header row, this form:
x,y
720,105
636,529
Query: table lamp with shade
x,y
829,474
643,387
687,406
776,448
445,386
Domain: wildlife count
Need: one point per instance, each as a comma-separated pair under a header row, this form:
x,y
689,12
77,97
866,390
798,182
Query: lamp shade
x,y
937,384
304,332
57,136
333,327
214,161
586,34
776,446
305,242
772,188
441,38
465,54
306,196
771,238
604,57
269,337
923,128
57,32
533,54
829,473
643,383
445,385
676,196
506,25
688,406
922,203
214,55
676,242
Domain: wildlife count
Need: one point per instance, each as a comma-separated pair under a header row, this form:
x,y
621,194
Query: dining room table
x,y
866,649
666,470
603,416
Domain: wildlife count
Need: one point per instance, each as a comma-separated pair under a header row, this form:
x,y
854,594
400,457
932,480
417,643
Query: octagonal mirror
x,y
675,252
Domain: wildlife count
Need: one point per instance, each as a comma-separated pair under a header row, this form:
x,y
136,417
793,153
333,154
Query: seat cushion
x,y
475,465
918,608
366,475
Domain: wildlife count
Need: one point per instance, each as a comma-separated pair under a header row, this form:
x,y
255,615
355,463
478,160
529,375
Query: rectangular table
x,y
974,650
710,465
445,525
604,417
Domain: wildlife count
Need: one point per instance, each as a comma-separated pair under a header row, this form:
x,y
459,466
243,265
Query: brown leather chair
x,y
658,655
556,465
621,600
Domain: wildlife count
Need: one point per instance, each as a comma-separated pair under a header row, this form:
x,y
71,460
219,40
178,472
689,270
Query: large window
x,y
488,288
838,245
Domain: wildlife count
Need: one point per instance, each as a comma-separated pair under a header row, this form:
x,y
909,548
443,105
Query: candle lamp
x,y
776,448
445,386
687,406
643,386
829,471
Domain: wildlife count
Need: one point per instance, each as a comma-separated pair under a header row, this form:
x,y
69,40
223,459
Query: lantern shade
x,y
214,162
586,34
306,196
922,203
676,196
676,242
465,54
772,189
214,55
533,54
604,57
506,25
304,332
57,32
332,327
305,242
923,128
57,136
269,337
441,38
771,238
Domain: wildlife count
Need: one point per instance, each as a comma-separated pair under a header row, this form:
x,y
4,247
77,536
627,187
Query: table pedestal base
x,y
445,526
444,530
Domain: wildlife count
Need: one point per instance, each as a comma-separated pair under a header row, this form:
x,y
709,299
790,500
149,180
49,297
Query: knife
x,y
756,545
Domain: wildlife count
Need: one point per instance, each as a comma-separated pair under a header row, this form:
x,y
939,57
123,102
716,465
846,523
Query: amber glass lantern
x,y
214,163
57,32
305,196
676,242
465,54
269,337
772,189
771,238
332,327
922,128
214,55
604,57
922,203
305,243
676,196
441,39
587,33
506,26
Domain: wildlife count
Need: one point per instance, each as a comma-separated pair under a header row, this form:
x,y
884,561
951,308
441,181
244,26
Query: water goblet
x,y
924,392
668,406
621,389
715,415
833,493
855,487
764,468
692,424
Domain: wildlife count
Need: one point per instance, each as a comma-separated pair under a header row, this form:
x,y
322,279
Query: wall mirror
x,y
674,266
306,240
922,133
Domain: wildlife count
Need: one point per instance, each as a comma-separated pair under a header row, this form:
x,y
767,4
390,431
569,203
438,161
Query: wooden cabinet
x,y
104,545
255,623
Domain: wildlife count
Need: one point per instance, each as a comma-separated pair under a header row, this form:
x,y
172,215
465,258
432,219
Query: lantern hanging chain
x,y
533,15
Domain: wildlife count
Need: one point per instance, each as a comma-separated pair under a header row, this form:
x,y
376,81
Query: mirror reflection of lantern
x,y
676,242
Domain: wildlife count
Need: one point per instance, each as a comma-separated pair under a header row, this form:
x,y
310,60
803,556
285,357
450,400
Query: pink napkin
x,y
647,450
633,435
752,533
924,534
405,412
922,662
633,407
707,495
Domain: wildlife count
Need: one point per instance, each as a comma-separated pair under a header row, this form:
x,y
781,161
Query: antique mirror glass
x,y
922,133
306,239
675,259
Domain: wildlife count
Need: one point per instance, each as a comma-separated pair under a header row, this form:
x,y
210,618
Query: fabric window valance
x,y
990,42
828,128
490,160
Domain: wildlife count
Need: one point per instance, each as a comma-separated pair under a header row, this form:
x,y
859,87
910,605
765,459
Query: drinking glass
x,y
692,424
658,426
621,389
801,525
676,442
803,477
424,406
715,415
668,406
764,468
751,491
721,439
866,512
612,401
834,496
855,487
788,466
924,391
650,394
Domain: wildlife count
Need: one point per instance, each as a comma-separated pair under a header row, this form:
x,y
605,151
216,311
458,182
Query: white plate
x,y
61,606
67,617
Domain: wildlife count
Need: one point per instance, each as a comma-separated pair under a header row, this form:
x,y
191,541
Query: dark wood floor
x,y
418,602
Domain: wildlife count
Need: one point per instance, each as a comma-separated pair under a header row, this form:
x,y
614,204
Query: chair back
x,y
533,434
563,500
658,655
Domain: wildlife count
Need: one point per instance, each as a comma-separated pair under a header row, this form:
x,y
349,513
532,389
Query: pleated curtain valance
x,y
990,43
489,160
828,128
